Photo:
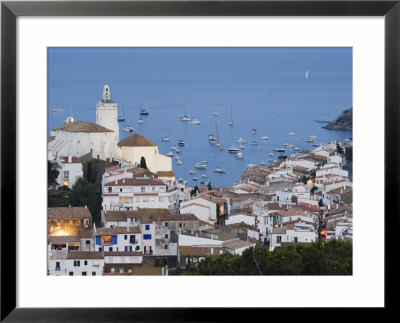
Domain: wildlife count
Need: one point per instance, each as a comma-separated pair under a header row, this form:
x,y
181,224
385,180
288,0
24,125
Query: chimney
x,y
116,182
69,159
123,181
85,206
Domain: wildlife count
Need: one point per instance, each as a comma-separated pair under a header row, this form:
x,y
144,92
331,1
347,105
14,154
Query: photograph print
x,y
200,161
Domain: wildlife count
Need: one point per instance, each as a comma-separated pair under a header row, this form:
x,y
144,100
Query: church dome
x,y
136,140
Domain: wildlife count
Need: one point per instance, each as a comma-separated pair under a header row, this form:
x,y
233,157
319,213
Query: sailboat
x,y
128,128
144,111
307,74
121,117
230,123
215,111
165,138
70,118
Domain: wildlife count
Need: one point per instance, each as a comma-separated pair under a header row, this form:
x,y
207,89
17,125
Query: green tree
x,y
89,175
143,163
349,154
209,186
320,203
317,258
339,149
313,189
52,174
84,193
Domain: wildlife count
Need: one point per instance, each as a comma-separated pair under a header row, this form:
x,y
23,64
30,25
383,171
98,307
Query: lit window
x,y
142,189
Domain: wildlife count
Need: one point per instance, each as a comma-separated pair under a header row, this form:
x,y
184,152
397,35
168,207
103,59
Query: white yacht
x,y
164,138
192,171
200,166
242,141
250,166
291,133
239,155
264,138
179,162
233,149
195,121
220,170
170,154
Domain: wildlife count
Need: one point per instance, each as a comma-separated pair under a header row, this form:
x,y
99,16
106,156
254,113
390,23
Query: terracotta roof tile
x,y
68,212
82,126
136,140
136,182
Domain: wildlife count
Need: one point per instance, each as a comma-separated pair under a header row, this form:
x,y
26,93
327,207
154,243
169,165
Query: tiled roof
x,y
85,234
85,255
185,251
63,239
122,253
136,140
127,230
74,160
82,126
278,230
147,271
141,172
169,173
236,244
106,232
135,182
68,212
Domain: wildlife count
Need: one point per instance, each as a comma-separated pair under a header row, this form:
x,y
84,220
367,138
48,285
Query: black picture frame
x,y
10,10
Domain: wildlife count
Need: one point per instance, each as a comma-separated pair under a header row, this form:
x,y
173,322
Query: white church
x,y
101,139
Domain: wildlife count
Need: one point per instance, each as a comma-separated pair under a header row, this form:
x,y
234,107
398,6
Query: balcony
x,y
133,241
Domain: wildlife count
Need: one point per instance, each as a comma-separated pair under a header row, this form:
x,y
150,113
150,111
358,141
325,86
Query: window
x,y
110,248
77,263
147,237
93,273
120,189
166,236
296,239
142,189
166,246
132,238
180,225
147,227
126,248
71,273
153,188
58,266
125,237
110,189
131,220
66,174
87,241
100,248
83,273
137,247
166,224
278,239
85,263
78,221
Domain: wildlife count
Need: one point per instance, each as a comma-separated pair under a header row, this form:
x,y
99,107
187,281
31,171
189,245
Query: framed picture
x,y
35,34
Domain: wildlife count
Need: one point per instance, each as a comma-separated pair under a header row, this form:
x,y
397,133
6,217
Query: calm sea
x,y
261,88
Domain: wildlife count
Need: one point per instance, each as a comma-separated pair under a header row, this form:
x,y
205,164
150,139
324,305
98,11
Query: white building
x,y
136,146
134,193
77,138
76,263
206,207
237,247
70,169
293,233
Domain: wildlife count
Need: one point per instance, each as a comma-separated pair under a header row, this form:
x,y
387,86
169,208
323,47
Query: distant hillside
x,y
343,122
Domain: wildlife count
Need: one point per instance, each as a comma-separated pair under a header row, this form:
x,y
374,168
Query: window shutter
x,y
97,240
114,239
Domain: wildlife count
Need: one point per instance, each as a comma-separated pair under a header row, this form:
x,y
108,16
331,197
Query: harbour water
x,y
261,88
